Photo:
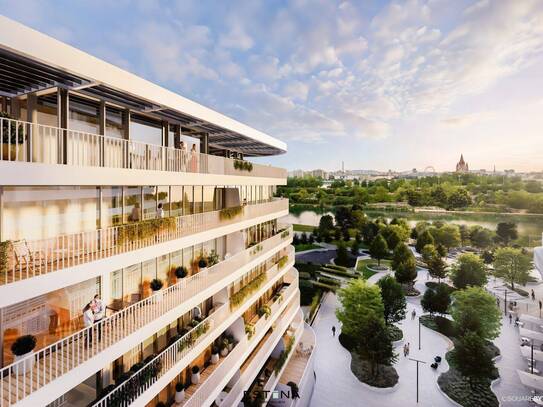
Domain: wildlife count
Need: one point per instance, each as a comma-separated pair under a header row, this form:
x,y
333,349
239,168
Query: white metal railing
x,y
234,359
37,143
28,259
21,378
139,382
129,391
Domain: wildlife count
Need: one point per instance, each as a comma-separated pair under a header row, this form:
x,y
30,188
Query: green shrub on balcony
x,y
4,250
284,354
285,233
230,213
11,133
256,249
243,165
190,338
249,330
145,229
264,311
240,296
282,262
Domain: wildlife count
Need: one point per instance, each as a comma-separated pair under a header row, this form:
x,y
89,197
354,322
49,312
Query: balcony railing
x,y
27,259
233,361
37,143
130,390
22,378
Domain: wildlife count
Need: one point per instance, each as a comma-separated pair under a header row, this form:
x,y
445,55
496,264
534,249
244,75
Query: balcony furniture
x,y
23,254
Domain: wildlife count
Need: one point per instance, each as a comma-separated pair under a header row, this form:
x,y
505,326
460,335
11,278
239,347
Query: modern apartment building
x,y
142,257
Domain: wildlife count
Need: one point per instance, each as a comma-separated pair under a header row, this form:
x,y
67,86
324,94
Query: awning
x,y
531,380
528,333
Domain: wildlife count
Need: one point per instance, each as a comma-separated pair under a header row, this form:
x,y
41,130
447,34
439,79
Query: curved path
x,y
337,386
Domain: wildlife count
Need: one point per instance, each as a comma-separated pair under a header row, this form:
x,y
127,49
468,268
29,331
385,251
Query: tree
x,y
481,237
441,250
393,299
473,309
369,232
374,345
506,231
472,358
512,265
436,300
468,270
346,235
428,253
342,258
355,248
401,254
487,256
406,272
464,234
459,199
304,239
379,248
437,267
358,300
337,234
447,235
326,224
424,239
295,240
311,239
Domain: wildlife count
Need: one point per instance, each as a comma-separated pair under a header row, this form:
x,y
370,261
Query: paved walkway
x,y
337,386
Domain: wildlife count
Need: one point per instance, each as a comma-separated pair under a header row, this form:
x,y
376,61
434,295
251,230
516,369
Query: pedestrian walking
x,y
533,295
404,349
497,302
540,306
333,330
413,314
510,318
408,348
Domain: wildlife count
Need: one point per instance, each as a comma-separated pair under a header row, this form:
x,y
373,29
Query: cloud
x,y
236,38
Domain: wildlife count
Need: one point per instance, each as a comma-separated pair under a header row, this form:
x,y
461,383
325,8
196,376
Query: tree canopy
x,y
393,299
472,358
436,300
469,270
506,231
512,265
473,309
425,238
379,248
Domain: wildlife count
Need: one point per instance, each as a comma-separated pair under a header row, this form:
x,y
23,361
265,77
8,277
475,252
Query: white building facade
x,y
142,259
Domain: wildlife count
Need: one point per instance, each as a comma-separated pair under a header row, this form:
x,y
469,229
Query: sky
x,y
376,84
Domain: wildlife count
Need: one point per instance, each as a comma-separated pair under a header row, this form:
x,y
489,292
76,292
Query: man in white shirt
x,y
88,321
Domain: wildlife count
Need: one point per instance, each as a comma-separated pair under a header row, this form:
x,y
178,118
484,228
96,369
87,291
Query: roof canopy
x,y
31,61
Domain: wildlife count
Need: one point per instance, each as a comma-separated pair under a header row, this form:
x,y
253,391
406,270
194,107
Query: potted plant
x,y
264,311
23,348
179,392
181,272
202,263
156,285
213,258
231,342
224,347
12,138
195,377
214,355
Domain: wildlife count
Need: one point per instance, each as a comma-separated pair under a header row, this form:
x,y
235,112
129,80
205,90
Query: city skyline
x,y
386,85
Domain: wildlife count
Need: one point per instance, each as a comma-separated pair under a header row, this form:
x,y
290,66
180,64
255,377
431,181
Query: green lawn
x,y
303,228
363,269
307,246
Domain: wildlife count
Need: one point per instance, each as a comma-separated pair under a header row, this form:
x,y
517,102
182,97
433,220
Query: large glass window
x,y
149,202
132,283
163,272
176,206
145,131
188,200
148,273
112,206
114,122
83,115
42,212
209,198
163,198
132,204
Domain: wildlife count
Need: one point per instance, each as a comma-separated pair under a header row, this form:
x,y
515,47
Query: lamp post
x,y
419,333
418,361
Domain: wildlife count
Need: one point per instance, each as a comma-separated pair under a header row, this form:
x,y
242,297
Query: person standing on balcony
x,y
99,310
184,154
193,159
135,213
160,211
88,321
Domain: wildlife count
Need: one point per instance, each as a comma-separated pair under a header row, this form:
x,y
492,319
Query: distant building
x,y
296,173
462,166
318,173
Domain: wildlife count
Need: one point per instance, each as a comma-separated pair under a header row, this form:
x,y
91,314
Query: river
x,y
529,226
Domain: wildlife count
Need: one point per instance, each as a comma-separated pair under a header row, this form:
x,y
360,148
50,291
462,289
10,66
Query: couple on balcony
x,y
93,313
188,163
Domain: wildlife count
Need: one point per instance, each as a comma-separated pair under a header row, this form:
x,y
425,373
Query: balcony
x,y
209,387
21,378
176,356
36,143
27,259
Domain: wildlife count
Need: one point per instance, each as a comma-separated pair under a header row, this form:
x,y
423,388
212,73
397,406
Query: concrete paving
x,y
337,386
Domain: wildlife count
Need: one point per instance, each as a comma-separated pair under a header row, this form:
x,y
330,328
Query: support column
x,y
31,117
126,136
63,115
3,104
204,143
165,141
102,115
15,108
177,136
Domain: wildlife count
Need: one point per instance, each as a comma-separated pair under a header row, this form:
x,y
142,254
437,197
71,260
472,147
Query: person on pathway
x,y
413,314
510,318
533,295
405,349
408,346
497,302
333,330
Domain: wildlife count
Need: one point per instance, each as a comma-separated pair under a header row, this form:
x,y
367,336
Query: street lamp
x,y
419,333
418,361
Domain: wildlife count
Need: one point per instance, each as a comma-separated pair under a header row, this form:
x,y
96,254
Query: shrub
x,y
329,281
181,272
23,345
202,263
229,213
195,369
179,387
156,284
